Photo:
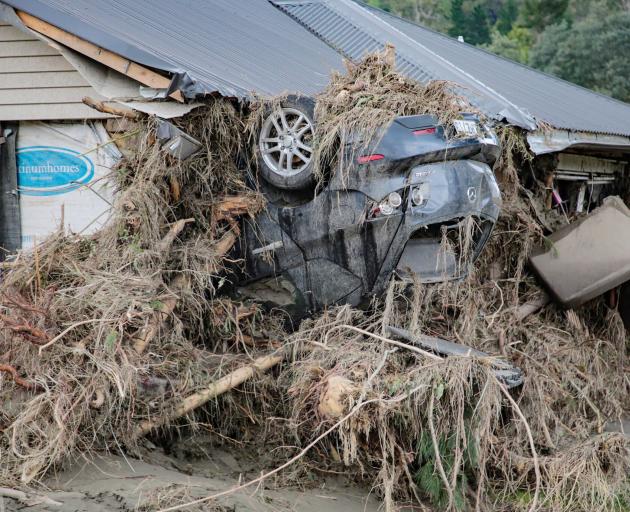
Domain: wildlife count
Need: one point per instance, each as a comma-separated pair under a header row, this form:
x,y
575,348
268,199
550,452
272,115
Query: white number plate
x,y
467,128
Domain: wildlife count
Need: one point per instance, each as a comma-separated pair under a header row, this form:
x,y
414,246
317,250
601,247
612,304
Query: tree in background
x,y
508,14
473,26
592,53
430,13
479,28
538,14
458,18
514,45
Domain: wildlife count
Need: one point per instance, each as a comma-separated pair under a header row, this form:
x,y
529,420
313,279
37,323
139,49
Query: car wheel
x,y
285,145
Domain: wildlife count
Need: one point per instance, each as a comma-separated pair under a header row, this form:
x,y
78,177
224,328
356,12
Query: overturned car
x,y
393,208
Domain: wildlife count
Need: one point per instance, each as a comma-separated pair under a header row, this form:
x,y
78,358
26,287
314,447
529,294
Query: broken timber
x,y
110,59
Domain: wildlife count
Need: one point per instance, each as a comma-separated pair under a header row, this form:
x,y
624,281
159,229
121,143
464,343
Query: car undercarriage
x,y
420,203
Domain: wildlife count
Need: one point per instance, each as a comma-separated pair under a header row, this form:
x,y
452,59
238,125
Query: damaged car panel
x,y
389,210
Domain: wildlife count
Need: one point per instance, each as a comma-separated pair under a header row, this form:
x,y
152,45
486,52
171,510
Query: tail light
x,y
366,159
425,131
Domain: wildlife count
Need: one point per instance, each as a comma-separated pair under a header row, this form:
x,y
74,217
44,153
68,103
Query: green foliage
x,y
427,476
458,18
473,25
480,30
591,53
508,14
514,45
430,13
538,14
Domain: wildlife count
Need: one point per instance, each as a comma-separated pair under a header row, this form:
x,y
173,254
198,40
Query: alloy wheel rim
x,y
286,141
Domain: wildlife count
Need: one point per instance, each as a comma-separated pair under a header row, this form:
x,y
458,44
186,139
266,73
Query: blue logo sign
x,y
47,171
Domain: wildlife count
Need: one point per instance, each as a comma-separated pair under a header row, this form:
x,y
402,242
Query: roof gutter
x,y
546,141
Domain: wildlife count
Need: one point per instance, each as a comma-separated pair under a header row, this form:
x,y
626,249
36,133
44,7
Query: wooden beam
x,y
110,59
101,106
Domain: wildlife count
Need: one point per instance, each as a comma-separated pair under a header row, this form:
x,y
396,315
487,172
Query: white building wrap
x,y
64,178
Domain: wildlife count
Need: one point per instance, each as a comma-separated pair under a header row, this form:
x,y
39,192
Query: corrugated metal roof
x,y
547,98
345,34
232,47
235,47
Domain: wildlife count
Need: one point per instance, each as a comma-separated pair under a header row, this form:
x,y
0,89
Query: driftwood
x,y
159,317
165,244
232,206
28,500
110,109
226,210
156,322
531,307
214,389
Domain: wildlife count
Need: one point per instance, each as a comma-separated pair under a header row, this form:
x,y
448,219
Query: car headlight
x,y
394,200
388,206
420,194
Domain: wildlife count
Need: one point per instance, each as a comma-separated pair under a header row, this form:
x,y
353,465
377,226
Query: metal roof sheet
x,y
232,47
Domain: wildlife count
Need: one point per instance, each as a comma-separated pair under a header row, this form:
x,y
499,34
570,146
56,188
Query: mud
x,y
160,480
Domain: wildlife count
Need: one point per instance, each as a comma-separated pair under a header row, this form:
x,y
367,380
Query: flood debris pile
x,y
107,337
444,430
98,331
357,106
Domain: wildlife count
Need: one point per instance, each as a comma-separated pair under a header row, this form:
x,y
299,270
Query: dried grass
x,y
358,106
576,380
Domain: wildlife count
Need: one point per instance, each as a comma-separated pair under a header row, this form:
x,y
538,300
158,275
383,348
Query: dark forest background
x,y
584,41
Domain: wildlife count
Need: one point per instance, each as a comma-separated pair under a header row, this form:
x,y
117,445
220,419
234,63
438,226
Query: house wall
x,y
38,83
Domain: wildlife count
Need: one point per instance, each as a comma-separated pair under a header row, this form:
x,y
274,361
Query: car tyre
x,y
285,144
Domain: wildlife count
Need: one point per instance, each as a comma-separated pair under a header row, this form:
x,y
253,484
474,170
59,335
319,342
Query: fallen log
x,y
214,389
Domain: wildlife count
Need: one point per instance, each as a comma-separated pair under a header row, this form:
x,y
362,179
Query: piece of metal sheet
x,y
505,372
587,258
176,142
